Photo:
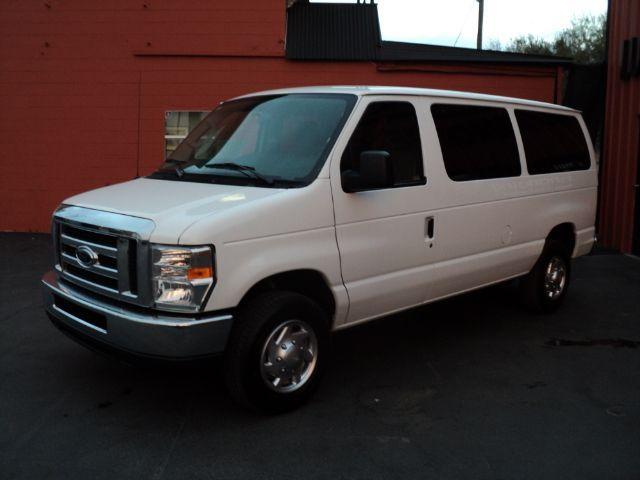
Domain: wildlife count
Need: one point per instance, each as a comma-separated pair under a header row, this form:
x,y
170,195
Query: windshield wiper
x,y
247,170
177,169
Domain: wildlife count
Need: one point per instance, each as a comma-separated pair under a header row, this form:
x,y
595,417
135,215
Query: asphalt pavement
x,y
473,387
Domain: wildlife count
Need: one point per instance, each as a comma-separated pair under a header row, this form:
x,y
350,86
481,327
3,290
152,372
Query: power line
x,y
464,23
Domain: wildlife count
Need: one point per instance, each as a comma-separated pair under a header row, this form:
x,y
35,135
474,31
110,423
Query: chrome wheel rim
x,y
289,356
555,278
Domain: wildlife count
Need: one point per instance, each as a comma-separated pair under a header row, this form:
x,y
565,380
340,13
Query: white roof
x,y
425,92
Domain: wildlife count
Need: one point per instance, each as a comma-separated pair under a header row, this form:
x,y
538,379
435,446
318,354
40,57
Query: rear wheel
x,y
276,351
545,287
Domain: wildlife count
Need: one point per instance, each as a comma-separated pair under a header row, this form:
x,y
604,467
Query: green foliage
x,y
584,41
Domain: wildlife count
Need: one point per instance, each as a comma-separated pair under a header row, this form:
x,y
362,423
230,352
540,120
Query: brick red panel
x,y
83,95
621,134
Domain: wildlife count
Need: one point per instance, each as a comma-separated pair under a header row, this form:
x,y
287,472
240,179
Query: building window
x,y
391,127
177,125
552,143
477,143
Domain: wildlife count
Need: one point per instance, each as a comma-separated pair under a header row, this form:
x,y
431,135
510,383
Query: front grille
x,y
89,236
88,316
112,266
88,275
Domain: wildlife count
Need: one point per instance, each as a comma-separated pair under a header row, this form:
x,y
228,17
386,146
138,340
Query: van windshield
x,y
272,141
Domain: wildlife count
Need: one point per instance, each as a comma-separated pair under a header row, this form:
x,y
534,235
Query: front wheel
x,y
545,287
276,351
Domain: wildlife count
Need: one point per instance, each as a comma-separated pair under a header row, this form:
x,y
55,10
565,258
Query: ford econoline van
x,y
288,214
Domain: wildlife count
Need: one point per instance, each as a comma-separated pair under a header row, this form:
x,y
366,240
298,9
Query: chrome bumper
x,y
137,332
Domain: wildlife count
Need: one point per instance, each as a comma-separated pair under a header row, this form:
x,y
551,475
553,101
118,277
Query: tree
x,y
584,41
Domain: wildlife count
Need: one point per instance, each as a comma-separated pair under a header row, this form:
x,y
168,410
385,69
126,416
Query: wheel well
x,y
565,234
310,283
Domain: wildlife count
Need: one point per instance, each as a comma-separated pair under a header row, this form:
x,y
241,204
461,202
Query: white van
x,y
287,214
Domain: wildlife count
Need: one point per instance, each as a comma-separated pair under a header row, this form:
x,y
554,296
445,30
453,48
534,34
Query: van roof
x,y
423,92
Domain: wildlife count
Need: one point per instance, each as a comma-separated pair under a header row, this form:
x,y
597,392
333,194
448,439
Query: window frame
x,y
360,115
508,109
179,137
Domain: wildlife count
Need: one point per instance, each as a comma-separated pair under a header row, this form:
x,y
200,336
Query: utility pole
x,y
480,20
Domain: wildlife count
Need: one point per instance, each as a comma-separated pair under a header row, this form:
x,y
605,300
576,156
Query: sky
x,y
454,22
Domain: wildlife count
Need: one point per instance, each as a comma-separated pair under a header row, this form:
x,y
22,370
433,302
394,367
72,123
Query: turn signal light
x,y
199,272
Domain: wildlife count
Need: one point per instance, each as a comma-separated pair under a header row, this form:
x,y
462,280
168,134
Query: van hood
x,y
172,205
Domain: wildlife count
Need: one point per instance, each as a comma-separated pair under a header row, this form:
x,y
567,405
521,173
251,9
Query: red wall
x,y
84,85
621,135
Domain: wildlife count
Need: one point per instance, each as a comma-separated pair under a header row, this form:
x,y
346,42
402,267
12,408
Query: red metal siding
x,y
84,85
619,164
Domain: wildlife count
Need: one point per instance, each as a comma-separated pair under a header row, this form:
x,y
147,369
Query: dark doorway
x,y
585,91
636,222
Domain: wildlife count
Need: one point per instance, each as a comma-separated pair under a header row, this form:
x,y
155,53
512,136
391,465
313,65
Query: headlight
x,y
181,276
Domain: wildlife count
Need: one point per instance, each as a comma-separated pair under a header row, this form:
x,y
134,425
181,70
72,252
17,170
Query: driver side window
x,y
390,127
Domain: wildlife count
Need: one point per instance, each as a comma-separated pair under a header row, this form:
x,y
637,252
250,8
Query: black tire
x,y
535,295
254,322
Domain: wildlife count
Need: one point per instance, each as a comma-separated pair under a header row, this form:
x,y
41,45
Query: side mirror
x,y
374,172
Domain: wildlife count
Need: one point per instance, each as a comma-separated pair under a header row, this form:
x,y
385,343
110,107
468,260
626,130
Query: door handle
x,y
429,226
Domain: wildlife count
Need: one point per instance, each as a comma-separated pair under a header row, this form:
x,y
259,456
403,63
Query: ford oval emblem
x,y
86,257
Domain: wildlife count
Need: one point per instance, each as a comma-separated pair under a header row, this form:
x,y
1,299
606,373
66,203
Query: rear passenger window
x,y
552,143
477,143
391,127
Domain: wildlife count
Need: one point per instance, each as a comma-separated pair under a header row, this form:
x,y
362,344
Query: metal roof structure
x,y
351,32
338,31
416,52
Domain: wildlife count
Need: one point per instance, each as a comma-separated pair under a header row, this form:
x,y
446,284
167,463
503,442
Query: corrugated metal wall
x,y
84,86
622,129
333,31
